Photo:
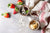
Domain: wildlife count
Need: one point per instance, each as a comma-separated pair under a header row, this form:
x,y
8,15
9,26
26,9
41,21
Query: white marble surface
x,y
17,23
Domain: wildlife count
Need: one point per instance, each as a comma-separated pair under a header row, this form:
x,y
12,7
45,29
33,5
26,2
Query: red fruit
x,y
12,6
6,15
15,12
19,0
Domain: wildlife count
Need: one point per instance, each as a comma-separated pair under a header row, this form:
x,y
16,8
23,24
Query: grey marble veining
x,y
17,23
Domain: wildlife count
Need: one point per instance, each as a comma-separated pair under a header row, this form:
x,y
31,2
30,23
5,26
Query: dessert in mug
x,y
24,10
34,25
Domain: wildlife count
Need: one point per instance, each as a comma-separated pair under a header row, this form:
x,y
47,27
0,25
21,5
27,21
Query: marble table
x,y
17,23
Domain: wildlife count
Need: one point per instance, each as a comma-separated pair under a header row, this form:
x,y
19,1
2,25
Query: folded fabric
x,y
44,19
42,6
31,3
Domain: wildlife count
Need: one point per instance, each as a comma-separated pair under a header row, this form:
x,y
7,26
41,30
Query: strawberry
x,y
20,2
11,5
6,15
16,10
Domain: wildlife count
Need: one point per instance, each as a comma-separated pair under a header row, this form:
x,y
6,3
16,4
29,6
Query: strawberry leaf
x,y
9,5
16,9
20,3
5,14
2,14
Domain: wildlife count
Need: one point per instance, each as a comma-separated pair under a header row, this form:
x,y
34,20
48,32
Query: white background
x,y
17,23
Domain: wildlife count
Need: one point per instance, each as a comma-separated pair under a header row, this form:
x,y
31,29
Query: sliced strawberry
x,y
16,9
12,6
7,15
20,2
15,12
